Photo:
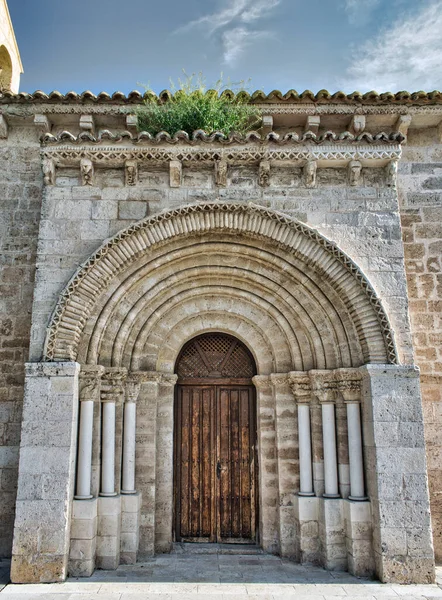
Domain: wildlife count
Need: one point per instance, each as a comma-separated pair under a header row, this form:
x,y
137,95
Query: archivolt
x,y
124,300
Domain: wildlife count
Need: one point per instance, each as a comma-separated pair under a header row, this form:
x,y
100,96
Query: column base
x,y
128,492
108,532
83,545
358,498
331,496
306,494
83,497
106,495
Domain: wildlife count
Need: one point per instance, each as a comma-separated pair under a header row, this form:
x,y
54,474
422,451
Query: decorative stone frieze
x,y
87,171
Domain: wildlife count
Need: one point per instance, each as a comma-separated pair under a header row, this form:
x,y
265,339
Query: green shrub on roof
x,y
193,106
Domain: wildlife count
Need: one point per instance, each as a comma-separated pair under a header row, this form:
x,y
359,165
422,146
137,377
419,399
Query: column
x,y
300,384
268,465
109,505
84,510
331,517
164,463
306,504
89,384
130,499
397,481
288,463
129,433
357,509
46,473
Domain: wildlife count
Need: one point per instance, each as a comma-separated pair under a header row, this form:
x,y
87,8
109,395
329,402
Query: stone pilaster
x,y
268,465
288,462
46,473
164,464
397,479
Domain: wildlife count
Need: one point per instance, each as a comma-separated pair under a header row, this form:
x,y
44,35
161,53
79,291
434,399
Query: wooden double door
x,y
215,461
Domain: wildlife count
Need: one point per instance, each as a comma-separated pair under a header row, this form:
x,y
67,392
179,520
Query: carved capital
x,y
221,173
131,172
264,173
355,173
348,384
309,172
262,382
87,171
323,385
168,379
48,167
133,387
301,386
279,379
112,384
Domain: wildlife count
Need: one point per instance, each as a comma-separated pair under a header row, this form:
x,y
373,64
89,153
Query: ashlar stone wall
x,y
420,195
21,184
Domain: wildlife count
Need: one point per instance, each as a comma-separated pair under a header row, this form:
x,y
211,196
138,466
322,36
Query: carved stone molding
x,y
391,173
322,255
168,379
279,380
264,173
355,173
326,155
221,168
262,382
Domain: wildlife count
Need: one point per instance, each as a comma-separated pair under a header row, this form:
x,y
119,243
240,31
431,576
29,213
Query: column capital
x,y
301,386
279,379
262,381
348,382
168,379
112,384
133,387
323,385
90,383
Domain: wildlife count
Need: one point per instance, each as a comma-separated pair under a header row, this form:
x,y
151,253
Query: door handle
x,y
218,469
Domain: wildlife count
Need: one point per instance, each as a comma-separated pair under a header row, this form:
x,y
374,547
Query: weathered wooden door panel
x,y
215,433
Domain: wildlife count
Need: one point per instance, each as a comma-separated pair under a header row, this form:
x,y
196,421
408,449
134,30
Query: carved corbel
x,y
132,123
87,171
42,124
267,124
176,173
312,124
355,173
310,172
131,172
391,173
357,124
264,173
87,123
3,128
168,379
48,171
403,124
221,173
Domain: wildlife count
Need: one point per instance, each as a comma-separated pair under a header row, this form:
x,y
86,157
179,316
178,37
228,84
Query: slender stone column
x,y
349,386
89,382
112,391
324,387
268,465
129,433
300,384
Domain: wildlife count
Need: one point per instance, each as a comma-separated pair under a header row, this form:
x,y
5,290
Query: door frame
x,y
216,383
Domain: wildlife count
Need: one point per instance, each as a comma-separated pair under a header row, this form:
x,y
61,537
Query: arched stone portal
x,y
322,346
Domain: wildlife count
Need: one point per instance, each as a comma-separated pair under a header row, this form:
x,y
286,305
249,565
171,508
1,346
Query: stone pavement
x,y
220,577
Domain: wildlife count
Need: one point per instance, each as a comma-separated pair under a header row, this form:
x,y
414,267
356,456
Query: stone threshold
x,y
203,548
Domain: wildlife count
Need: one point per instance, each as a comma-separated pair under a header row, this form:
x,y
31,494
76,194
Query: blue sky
x,y
276,44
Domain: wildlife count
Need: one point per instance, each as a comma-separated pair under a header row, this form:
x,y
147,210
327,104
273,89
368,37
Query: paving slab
x,y
219,577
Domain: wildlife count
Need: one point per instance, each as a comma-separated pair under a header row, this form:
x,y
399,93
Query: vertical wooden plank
x,y
184,474
224,458
235,467
195,463
206,471
246,464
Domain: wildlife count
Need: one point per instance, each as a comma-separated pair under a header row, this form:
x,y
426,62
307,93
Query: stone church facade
x,y
221,339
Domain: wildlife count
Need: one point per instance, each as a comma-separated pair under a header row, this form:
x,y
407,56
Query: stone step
x,y
196,548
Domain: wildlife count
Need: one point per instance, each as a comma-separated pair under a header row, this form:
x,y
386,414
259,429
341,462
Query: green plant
x,y
193,106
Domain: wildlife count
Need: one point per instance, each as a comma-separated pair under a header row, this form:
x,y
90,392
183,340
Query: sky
x,y
109,45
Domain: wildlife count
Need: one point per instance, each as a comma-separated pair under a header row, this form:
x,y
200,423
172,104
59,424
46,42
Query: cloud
x,y
406,55
360,11
231,22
